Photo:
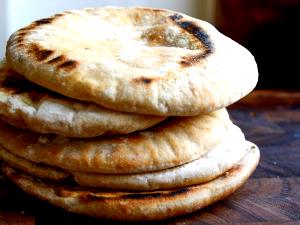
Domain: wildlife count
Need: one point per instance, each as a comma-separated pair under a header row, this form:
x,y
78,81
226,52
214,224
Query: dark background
x,y
270,30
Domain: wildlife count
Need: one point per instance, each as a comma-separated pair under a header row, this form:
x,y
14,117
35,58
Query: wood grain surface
x,y
271,119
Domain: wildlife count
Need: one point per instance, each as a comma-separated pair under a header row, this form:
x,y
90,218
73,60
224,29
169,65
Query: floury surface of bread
x,y
213,164
140,60
27,105
175,141
132,206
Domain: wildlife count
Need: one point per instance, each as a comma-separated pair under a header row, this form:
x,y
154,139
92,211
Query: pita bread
x,y
138,205
213,164
175,141
27,105
141,60
38,170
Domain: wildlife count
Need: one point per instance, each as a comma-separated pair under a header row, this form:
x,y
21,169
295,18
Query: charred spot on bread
x,y
176,17
190,60
58,59
199,34
43,21
68,65
90,196
143,80
46,21
142,195
38,52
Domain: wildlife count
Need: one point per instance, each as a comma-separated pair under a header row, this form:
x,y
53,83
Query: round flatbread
x,y
138,205
213,164
175,141
142,60
27,105
208,167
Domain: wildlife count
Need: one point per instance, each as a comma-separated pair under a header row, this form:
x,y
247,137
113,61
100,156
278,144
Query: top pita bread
x,y
26,105
141,60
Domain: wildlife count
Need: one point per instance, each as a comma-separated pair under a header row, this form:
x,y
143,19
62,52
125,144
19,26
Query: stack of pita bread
x,y
119,113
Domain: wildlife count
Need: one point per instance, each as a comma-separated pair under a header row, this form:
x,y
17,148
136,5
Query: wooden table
x,y
271,196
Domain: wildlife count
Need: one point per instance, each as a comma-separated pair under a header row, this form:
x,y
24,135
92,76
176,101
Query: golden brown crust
x,y
208,167
38,170
173,142
140,60
142,205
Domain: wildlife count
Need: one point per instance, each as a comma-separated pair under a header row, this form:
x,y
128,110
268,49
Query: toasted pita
x,y
213,164
27,105
142,60
176,141
138,205
38,170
